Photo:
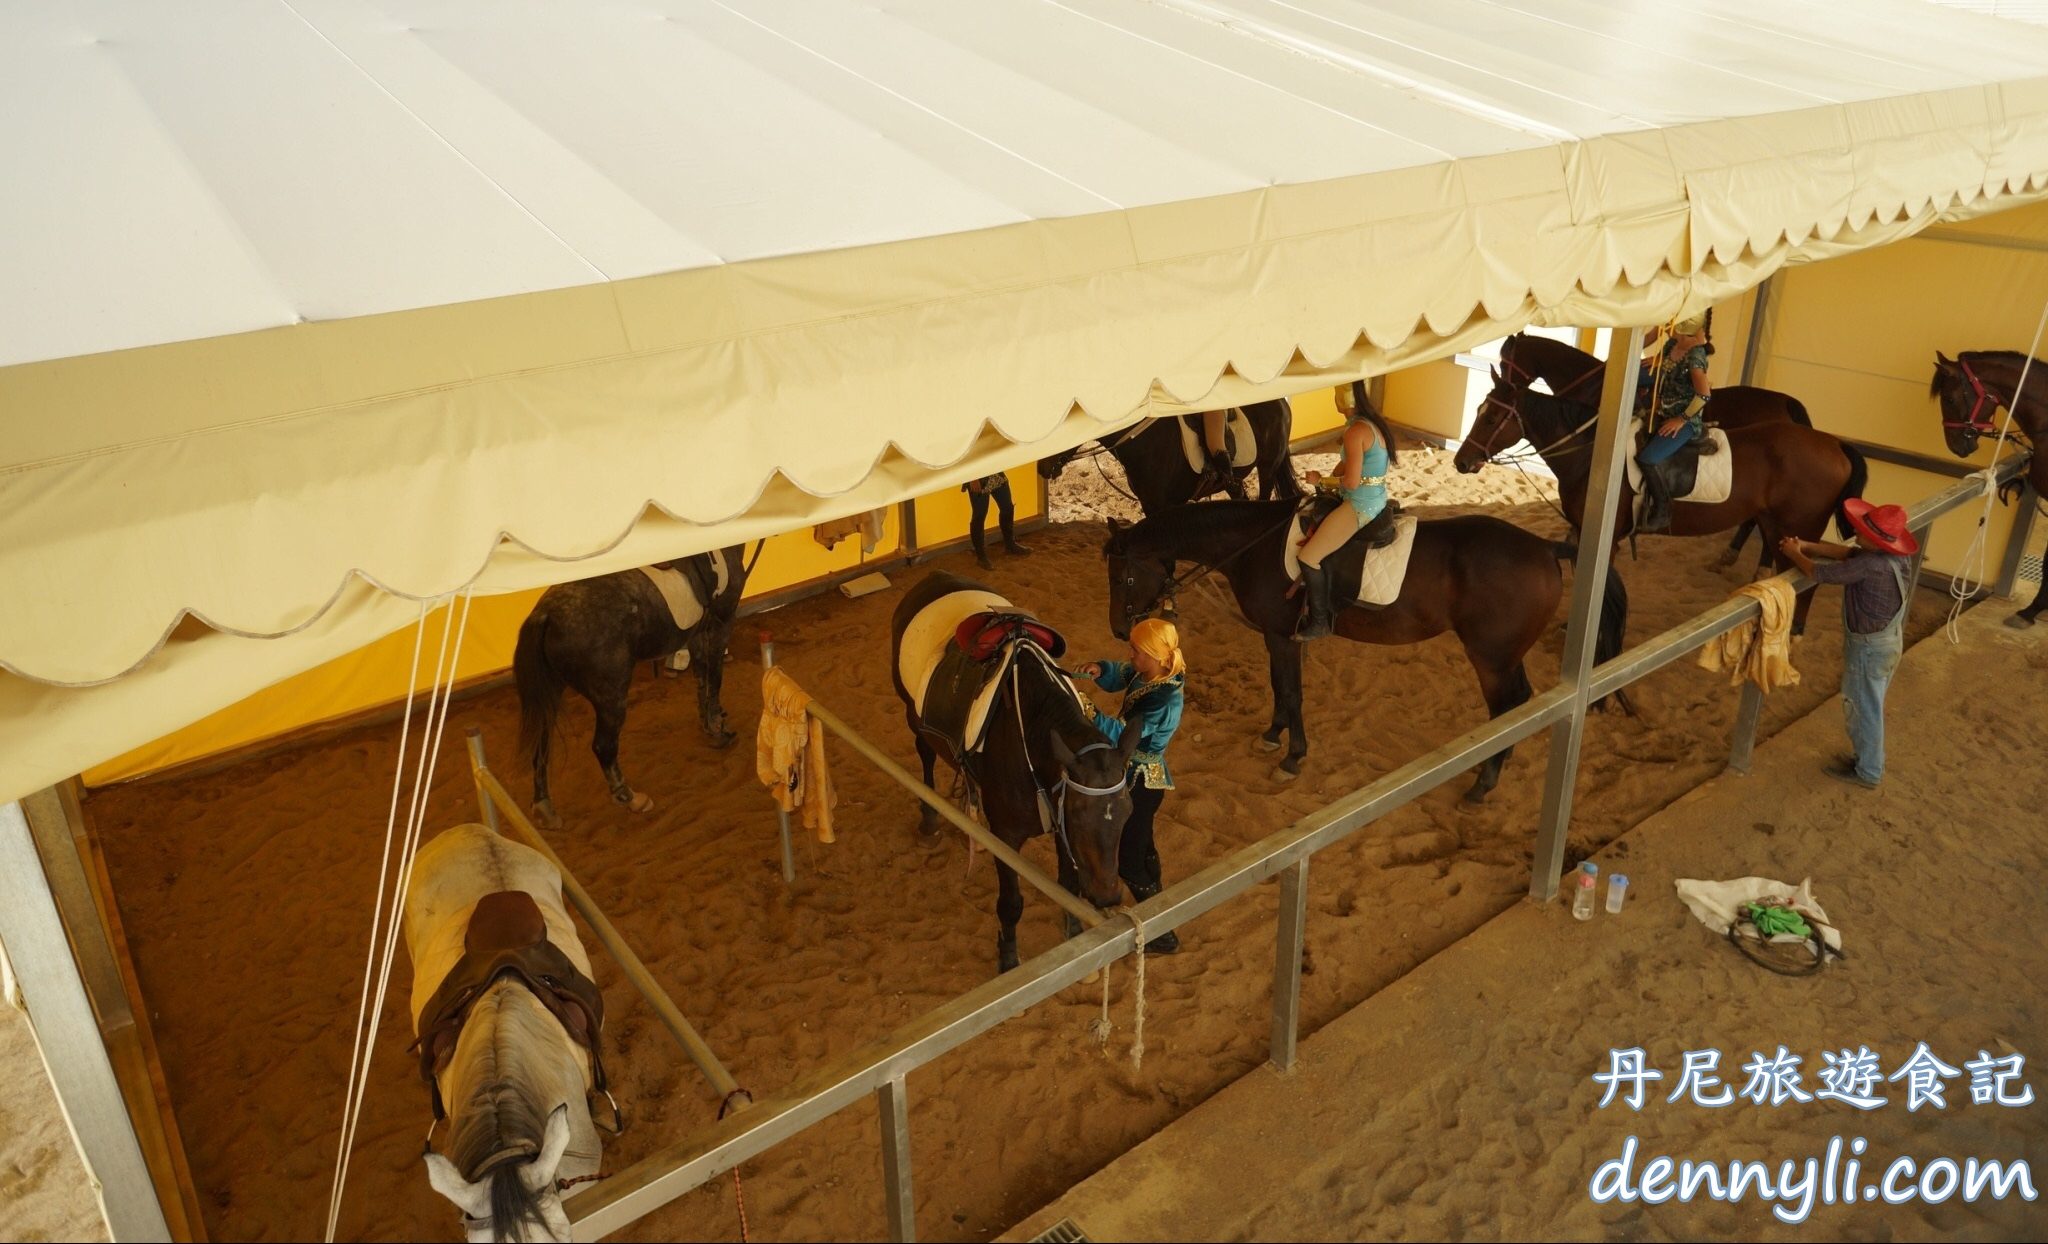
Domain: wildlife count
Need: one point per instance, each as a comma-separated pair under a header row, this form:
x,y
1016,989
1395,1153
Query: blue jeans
x,y
1658,448
1868,663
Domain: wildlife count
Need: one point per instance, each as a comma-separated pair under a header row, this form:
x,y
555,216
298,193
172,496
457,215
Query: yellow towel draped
x,y
789,753
1759,650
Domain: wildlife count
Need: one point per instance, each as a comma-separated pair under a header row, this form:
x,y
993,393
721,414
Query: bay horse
x,y
1576,376
1972,387
514,1082
1493,584
1042,766
590,634
1789,479
1158,471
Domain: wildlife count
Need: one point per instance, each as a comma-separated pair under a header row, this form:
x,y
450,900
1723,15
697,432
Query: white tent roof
x,y
311,302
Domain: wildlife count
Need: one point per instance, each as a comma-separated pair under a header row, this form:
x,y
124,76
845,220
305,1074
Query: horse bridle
x,y
1979,422
1056,798
1514,408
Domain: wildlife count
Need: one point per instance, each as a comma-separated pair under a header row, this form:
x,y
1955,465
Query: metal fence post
x,y
2016,543
781,813
1925,535
68,1034
476,770
1287,948
1589,589
1743,750
892,1098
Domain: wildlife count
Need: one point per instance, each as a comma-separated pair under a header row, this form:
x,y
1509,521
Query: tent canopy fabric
x,y
317,309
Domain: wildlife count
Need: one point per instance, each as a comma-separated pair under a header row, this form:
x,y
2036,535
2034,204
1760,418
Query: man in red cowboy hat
x,y
1873,575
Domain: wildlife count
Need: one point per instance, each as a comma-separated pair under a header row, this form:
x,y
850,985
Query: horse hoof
x,y
1477,795
545,816
1287,772
723,738
1265,746
2019,622
640,802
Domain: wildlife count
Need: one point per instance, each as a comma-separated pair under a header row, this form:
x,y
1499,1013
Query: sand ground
x,y
1457,1103
45,1193
246,892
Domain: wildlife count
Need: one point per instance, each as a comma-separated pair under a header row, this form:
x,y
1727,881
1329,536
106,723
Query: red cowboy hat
x,y
1882,525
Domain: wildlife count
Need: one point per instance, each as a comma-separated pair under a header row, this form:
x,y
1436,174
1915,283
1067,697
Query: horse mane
x,y
1556,411
1146,537
496,1132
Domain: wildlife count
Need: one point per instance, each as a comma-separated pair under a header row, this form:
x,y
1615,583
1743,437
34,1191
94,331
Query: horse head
x,y
1496,425
1049,467
1095,801
1963,417
506,1143
1139,585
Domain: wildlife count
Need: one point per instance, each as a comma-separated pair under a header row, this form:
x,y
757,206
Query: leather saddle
x,y
965,672
508,934
1377,534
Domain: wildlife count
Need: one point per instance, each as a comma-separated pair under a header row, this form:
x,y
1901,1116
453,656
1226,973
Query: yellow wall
x,y
942,516
1430,396
1315,412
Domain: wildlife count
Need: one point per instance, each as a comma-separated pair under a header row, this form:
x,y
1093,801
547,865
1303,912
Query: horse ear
x,y
540,1172
1943,361
1496,375
1062,753
473,1199
1126,747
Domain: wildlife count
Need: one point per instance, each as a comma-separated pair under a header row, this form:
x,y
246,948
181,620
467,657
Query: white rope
x,y
1102,1027
1966,584
376,923
439,696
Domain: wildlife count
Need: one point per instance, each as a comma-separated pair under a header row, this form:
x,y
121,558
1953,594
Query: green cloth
x,y
1771,921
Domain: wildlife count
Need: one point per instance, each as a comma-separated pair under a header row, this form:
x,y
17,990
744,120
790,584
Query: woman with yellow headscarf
x,y
1152,682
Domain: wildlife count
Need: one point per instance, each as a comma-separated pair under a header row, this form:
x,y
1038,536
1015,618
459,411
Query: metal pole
x,y
68,1036
781,813
629,963
1589,588
1743,751
1925,535
476,771
893,1101
2016,540
1069,902
1756,330
1287,948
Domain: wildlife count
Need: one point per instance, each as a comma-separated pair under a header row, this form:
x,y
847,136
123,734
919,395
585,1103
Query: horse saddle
x,y
969,674
508,934
1239,444
1373,563
1702,472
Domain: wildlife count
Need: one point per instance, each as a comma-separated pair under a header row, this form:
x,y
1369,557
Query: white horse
x,y
516,1082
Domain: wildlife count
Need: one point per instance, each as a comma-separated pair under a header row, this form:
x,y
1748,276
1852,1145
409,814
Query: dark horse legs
x,y
610,702
1283,667
1505,687
2025,617
1009,908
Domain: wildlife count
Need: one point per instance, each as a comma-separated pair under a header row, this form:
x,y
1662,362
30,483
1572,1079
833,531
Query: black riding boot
x,y
1655,513
1315,581
1220,474
980,549
1009,524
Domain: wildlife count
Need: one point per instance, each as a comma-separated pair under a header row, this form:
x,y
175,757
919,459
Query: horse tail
x,y
1796,409
513,1204
540,685
1612,632
1859,476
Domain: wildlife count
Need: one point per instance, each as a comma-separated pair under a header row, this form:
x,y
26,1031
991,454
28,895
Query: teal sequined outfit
x,y
1153,709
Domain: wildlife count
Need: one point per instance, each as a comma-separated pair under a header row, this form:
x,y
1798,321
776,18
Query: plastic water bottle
x,y
1617,890
1582,895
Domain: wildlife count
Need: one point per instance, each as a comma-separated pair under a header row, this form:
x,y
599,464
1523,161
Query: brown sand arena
x,y
246,893
44,1191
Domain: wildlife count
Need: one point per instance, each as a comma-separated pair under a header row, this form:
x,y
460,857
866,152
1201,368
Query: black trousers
x,y
1137,860
1006,514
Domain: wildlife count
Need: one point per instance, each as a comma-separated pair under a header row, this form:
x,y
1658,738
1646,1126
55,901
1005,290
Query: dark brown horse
x,y
1493,584
1575,375
1041,764
1973,387
1159,472
1787,478
590,634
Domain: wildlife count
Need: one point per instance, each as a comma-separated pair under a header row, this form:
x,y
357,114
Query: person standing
x,y
1153,682
1874,575
979,493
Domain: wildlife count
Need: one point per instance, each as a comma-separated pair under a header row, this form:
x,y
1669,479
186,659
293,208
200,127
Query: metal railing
x,y
881,1067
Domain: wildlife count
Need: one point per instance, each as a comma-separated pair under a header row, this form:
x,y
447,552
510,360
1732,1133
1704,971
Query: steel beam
x,y
1589,589
2016,541
892,1099
1288,942
68,1035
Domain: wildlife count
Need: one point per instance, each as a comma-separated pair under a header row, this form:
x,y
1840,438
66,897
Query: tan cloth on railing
x,y
868,526
1760,650
789,753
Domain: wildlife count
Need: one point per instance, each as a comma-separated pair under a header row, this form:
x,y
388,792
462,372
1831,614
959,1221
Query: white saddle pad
x,y
1385,569
1237,432
682,602
1711,484
925,639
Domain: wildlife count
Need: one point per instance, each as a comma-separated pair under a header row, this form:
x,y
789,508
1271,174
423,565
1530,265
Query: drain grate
x,y
1065,1231
2030,568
